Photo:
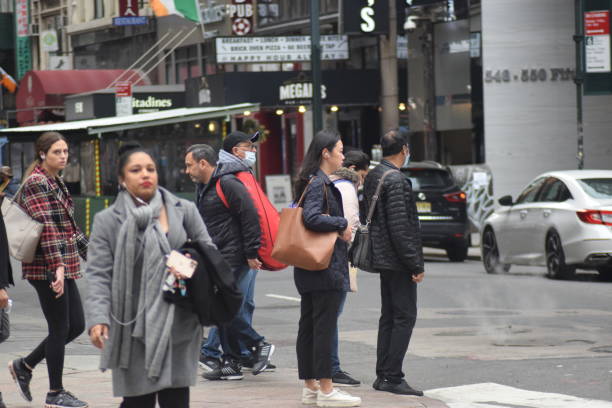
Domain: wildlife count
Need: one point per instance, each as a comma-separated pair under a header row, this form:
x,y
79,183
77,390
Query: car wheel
x,y
490,253
555,259
605,273
457,253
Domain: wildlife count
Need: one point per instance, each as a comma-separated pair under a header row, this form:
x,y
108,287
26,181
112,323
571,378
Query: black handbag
x,y
360,254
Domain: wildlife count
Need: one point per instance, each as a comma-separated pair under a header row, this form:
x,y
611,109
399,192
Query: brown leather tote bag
x,y
297,245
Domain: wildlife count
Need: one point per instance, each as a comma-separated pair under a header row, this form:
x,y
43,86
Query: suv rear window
x,y
428,178
597,188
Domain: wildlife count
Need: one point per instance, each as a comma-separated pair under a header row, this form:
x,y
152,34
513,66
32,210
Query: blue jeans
x,y
334,354
239,331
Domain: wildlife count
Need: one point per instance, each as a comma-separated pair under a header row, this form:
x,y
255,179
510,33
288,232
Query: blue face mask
x,y
406,161
250,158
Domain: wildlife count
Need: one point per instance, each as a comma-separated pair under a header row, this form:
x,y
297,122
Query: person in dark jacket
x,y
6,273
322,291
236,232
398,257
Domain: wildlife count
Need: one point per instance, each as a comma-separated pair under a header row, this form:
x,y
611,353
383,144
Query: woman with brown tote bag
x,y
321,290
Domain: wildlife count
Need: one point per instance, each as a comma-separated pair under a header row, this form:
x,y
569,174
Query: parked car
x,y
562,220
442,208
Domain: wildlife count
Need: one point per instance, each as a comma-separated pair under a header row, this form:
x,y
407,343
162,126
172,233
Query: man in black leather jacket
x,y
398,257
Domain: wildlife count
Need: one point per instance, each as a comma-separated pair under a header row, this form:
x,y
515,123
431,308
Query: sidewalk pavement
x,y
280,389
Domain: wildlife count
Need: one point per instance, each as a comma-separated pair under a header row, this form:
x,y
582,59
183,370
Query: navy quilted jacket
x,y
336,276
395,229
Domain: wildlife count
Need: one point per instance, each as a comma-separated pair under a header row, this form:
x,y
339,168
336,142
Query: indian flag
x,y
189,9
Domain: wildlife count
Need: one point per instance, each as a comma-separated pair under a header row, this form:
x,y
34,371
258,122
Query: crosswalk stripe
x,y
491,395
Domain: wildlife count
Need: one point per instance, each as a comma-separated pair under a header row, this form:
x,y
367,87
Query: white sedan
x,y
562,220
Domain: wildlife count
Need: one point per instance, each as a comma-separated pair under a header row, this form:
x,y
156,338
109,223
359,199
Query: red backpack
x,y
268,218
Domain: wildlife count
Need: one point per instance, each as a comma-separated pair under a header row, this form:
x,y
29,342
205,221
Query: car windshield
x,y
428,178
597,187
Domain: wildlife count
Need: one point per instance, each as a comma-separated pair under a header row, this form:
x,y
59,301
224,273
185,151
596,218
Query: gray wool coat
x,y
184,222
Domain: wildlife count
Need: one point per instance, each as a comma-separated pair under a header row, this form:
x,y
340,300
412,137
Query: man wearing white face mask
x,y
239,153
397,255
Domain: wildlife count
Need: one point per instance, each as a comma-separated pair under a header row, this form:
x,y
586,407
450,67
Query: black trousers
x,y
318,322
65,322
168,398
398,294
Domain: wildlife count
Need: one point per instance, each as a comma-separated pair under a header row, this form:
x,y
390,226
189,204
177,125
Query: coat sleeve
x,y
315,208
242,207
36,195
404,230
99,274
196,229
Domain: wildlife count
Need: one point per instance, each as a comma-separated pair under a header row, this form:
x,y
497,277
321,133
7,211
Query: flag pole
x,y
200,19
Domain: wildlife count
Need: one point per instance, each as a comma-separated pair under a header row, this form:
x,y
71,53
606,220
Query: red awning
x,y
38,89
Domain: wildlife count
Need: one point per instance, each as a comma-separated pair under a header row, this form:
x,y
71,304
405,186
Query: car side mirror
x,y
506,201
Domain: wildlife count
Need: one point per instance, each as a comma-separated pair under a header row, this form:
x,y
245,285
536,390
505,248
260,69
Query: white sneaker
x,y
309,397
337,398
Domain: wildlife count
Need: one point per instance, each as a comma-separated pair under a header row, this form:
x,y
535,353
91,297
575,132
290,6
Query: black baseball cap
x,y
238,137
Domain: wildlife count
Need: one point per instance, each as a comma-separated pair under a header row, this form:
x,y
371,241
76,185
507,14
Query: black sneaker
x,y
22,377
209,363
376,384
230,371
344,379
262,357
63,399
402,388
2,402
248,366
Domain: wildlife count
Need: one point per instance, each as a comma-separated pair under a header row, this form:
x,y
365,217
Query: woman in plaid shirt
x,y
54,270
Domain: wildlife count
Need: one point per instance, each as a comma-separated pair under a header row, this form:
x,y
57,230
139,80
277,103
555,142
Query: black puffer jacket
x,y
395,228
336,276
235,230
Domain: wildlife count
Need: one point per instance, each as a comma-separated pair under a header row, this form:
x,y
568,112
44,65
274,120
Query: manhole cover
x,y
527,343
580,341
457,333
479,313
601,349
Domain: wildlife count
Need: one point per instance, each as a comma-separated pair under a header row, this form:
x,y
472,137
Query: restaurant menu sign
x,y
235,50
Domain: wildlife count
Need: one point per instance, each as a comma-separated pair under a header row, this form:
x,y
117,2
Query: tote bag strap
x,y
301,200
377,195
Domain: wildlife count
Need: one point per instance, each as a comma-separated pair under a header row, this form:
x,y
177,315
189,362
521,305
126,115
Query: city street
x,y
480,341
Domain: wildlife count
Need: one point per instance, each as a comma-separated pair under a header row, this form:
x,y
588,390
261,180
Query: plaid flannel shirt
x,y
47,200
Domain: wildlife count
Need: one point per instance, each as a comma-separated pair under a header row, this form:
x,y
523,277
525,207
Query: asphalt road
x,y
518,329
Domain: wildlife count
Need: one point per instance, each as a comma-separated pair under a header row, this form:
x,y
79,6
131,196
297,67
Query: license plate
x,y
423,207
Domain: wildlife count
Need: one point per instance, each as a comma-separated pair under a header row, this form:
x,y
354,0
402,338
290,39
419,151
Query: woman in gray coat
x,y
150,345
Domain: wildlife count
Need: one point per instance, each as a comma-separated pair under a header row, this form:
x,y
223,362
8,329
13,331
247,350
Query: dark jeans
x,y
65,322
335,356
239,332
398,315
248,337
318,323
168,398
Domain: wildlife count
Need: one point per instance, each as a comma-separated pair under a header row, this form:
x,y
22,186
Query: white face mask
x,y
406,161
250,158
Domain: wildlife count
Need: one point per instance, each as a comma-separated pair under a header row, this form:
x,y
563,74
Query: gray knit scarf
x,y
140,236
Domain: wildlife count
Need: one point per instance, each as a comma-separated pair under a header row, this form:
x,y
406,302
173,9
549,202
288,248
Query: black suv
x,y
442,208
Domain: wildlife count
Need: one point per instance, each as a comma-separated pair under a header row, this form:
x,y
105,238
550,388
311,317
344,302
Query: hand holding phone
x,y
181,264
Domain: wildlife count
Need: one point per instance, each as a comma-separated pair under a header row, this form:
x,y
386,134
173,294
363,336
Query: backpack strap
x,y
221,194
